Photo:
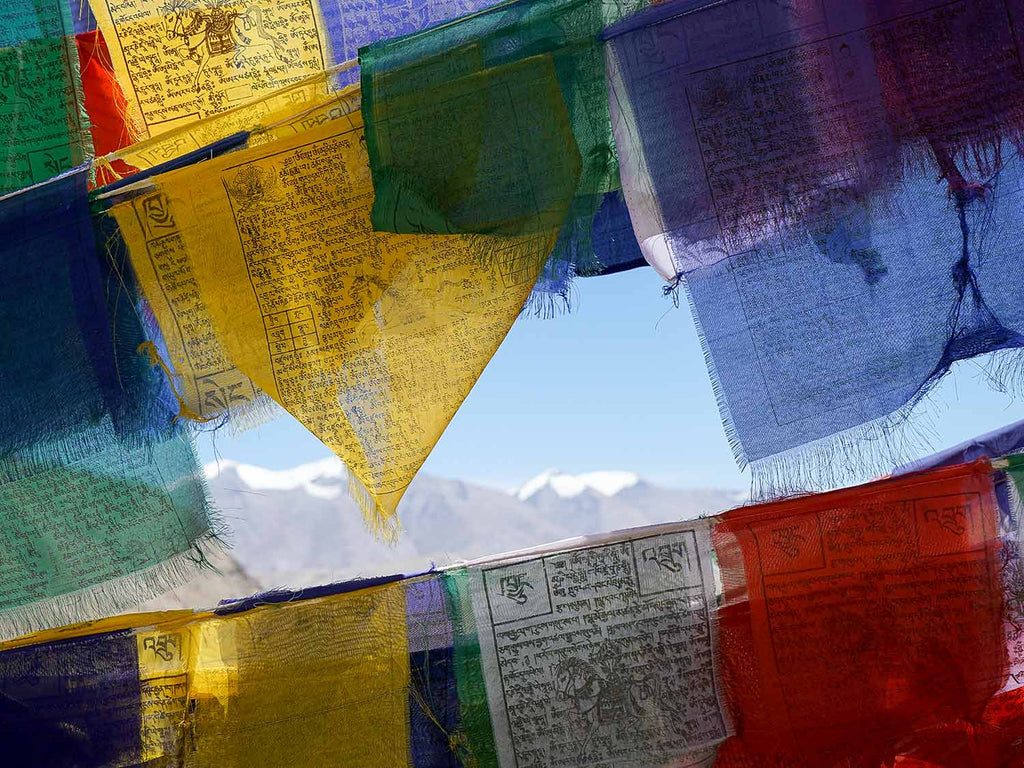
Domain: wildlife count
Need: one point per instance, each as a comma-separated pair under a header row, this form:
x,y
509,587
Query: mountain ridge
x,y
298,527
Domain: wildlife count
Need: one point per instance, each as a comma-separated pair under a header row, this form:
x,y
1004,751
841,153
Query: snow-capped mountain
x,y
566,486
299,527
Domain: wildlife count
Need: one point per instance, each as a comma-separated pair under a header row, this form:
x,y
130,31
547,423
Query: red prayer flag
x,y
861,623
104,103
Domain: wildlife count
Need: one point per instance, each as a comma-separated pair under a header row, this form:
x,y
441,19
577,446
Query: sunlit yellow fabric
x,y
179,61
307,102
166,655
110,624
313,683
371,340
309,683
207,382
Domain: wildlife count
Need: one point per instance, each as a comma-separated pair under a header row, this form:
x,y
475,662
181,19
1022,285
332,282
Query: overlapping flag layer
x,y
837,184
211,214
873,626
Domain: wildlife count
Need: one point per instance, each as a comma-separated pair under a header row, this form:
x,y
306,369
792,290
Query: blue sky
x,y
619,383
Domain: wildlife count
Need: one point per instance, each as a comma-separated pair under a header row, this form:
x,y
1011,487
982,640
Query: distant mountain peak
x,y
299,526
317,478
607,483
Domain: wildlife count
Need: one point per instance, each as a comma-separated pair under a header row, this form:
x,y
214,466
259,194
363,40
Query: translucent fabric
x,y
104,103
371,340
180,60
860,624
601,651
475,738
102,502
864,628
74,702
210,387
42,118
445,165
350,26
434,710
310,681
842,223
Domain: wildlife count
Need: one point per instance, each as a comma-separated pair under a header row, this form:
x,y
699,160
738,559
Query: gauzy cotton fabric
x,y
836,186
434,710
74,702
352,676
102,503
211,389
440,157
859,624
865,628
371,340
42,117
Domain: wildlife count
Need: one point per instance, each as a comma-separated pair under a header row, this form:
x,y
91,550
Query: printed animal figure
x,y
603,693
208,28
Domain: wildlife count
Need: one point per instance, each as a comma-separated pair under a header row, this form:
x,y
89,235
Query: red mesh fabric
x,y
862,624
104,102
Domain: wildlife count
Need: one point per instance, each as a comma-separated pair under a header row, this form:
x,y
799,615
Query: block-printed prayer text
x,y
602,655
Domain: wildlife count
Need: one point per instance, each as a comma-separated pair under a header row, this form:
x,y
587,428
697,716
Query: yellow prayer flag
x,y
206,382
179,60
307,102
305,684
99,626
166,652
372,340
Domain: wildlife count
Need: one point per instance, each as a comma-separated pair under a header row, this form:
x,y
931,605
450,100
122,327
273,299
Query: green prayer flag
x,y
451,127
475,737
42,112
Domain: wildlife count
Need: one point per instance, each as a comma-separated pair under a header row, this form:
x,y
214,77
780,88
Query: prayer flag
x,y
855,621
308,683
837,187
74,702
305,682
371,340
42,117
181,60
602,651
475,739
478,184
434,708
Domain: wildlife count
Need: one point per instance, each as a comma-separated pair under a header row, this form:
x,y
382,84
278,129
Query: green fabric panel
x,y
117,509
1015,471
409,76
475,738
42,116
508,165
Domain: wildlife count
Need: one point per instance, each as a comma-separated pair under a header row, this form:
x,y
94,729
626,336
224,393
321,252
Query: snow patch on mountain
x,y
320,479
299,527
607,483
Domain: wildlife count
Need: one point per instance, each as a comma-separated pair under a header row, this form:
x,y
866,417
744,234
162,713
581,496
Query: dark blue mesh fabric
x,y
615,245
434,716
71,703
